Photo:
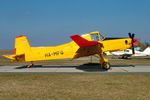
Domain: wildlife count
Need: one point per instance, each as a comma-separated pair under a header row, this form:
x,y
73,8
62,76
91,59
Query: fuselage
x,y
71,50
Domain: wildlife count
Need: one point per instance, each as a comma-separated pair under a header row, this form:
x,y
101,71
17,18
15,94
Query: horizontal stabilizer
x,y
12,57
80,41
15,58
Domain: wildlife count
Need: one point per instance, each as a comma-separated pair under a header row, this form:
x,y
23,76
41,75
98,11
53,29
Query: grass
x,y
74,87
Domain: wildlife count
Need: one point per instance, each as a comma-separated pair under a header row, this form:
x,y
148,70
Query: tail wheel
x,y
106,65
29,66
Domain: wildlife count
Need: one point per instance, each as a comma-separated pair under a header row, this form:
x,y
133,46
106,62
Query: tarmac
x,y
75,69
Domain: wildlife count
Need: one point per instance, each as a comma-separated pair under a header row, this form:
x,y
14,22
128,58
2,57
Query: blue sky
x,y
51,22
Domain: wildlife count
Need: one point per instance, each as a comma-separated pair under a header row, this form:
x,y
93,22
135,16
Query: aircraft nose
x,y
135,44
135,40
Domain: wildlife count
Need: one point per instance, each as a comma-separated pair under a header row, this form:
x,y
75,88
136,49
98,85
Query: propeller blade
x,y
133,51
129,34
132,41
133,35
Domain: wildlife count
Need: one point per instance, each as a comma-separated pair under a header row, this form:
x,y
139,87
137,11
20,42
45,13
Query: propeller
x,y
133,40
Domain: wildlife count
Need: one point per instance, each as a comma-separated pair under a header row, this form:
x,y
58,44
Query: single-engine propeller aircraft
x,y
81,46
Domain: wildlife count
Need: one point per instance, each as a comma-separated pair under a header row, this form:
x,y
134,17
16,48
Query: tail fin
x,y
21,45
147,50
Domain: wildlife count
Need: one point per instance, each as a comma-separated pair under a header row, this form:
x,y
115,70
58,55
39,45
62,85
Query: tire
x,y
106,65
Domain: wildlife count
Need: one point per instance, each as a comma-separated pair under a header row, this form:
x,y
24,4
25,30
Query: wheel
x,y
106,65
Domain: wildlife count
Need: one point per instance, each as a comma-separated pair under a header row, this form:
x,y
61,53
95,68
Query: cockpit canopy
x,y
96,36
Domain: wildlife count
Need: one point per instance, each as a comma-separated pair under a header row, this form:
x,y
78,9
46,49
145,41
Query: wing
x,y
87,47
81,42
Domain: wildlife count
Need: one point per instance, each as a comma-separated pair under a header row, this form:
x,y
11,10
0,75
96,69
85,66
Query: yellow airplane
x,y
81,46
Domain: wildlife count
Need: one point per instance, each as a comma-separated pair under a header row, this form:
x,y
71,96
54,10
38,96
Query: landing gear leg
x,y
104,62
30,65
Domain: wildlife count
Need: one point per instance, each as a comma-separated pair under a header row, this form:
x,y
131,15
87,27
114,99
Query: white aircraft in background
x,y
128,53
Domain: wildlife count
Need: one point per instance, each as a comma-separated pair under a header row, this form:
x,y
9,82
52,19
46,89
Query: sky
x,y
52,22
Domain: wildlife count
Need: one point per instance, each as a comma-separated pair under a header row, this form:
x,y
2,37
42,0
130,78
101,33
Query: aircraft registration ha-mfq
x,y
81,46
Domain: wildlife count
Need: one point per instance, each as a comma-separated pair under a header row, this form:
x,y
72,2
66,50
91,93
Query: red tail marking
x,y
83,42
15,51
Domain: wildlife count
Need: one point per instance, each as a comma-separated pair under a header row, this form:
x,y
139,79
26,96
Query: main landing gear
x,y
104,62
106,65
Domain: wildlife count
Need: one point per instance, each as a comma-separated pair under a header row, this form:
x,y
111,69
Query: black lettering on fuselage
x,y
55,53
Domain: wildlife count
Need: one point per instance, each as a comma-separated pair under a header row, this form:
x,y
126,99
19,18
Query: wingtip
x,y
74,36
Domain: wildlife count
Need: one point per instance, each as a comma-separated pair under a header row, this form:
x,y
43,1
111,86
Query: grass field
x,y
58,86
74,87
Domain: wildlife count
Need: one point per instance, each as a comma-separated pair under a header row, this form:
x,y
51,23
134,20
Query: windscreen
x,y
95,37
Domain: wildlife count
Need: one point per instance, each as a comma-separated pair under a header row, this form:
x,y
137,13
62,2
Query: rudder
x,y
21,45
